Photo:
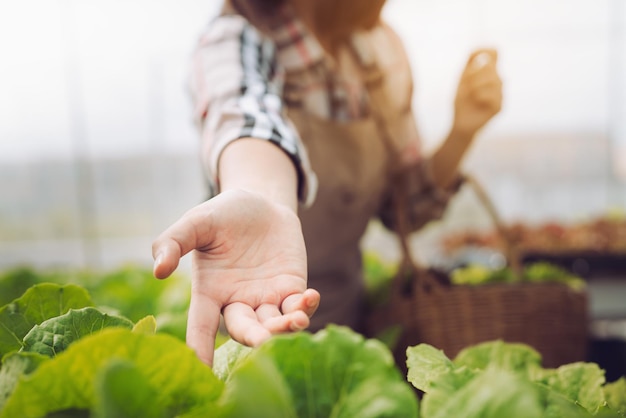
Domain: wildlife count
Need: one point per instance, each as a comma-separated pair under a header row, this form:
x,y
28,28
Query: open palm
x,y
249,263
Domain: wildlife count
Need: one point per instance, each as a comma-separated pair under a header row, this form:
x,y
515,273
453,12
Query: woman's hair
x,y
259,12
332,20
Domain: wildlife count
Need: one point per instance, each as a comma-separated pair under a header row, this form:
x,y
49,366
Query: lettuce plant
x,y
66,358
498,379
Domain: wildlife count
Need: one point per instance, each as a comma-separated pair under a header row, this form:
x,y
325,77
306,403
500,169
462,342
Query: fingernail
x,y
481,60
157,263
158,260
295,327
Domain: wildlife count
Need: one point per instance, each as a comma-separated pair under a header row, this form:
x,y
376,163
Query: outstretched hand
x,y
479,94
249,263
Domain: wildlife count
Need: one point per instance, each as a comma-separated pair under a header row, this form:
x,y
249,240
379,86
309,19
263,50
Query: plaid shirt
x,y
238,89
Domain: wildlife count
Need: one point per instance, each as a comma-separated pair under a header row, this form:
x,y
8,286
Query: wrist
x,y
260,167
461,135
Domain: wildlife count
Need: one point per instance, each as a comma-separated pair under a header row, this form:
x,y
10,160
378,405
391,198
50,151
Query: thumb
x,y
166,254
481,57
194,230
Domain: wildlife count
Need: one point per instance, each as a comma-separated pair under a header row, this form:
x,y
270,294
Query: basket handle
x,y
408,274
511,251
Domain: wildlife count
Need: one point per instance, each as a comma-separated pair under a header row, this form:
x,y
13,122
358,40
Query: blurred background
x,y
98,152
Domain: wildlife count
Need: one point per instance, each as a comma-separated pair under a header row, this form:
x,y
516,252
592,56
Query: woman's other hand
x,y
479,94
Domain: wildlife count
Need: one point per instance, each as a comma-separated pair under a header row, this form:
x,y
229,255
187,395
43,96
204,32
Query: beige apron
x,y
353,162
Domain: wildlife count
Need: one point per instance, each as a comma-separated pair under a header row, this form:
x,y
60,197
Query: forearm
x,y
261,167
446,161
478,99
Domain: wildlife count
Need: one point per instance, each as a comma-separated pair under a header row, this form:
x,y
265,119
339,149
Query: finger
x,y
307,302
489,99
179,239
243,325
267,311
166,254
291,322
480,57
482,63
483,81
202,326
477,77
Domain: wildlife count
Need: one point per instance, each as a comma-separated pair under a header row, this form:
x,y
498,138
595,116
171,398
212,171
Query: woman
x,y
304,109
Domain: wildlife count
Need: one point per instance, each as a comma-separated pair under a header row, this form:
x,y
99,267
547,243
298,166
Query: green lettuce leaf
x,y
473,274
432,372
14,282
540,272
37,304
494,393
14,365
258,389
426,364
146,325
227,356
557,405
69,381
462,388
135,293
570,391
615,394
173,323
122,391
581,383
338,373
55,334
513,357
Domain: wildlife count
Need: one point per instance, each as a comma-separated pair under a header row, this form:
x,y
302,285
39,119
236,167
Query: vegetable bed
x,y
68,351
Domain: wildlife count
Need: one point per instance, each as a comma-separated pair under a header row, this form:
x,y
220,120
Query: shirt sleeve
x,y
236,87
422,201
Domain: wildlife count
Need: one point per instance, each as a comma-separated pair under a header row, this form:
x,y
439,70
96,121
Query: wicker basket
x,y
551,317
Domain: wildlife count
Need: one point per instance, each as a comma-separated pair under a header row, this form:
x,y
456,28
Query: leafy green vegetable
x,y
495,379
432,372
541,272
580,383
538,272
257,389
130,290
615,394
227,356
135,293
513,357
496,393
69,381
473,274
146,325
14,365
14,282
123,392
173,323
54,335
333,373
427,364
378,275
37,304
